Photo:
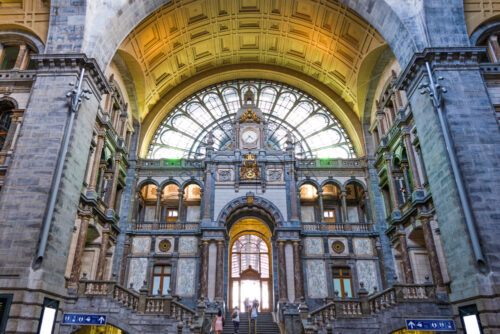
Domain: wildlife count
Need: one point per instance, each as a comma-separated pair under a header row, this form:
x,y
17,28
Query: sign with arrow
x,y
84,319
431,325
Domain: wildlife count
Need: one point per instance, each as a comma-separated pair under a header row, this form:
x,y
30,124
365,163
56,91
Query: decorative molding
x,y
50,63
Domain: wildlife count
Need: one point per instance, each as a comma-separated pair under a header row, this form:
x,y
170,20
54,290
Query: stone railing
x,y
151,226
17,75
365,305
138,301
331,163
338,227
169,163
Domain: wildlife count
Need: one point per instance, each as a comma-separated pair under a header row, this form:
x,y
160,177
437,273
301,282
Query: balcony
x,y
337,227
165,226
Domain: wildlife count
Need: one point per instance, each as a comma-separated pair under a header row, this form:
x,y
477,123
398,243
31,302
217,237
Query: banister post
x,y
143,293
363,296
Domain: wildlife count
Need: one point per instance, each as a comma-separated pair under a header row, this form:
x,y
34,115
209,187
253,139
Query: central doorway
x,y
250,263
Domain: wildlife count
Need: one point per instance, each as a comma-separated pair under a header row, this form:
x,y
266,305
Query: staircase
x,y
265,324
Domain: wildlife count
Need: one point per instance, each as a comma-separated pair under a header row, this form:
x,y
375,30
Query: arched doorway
x,y
250,261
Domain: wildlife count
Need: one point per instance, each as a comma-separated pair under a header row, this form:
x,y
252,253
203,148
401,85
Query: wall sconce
x,y
48,317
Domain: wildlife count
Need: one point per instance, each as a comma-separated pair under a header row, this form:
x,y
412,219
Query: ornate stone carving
x,y
275,175
225,175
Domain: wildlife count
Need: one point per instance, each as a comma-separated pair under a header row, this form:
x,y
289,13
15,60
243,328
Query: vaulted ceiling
x,y
323,40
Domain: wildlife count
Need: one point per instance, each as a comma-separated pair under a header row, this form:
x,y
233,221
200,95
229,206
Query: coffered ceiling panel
x,y
322,39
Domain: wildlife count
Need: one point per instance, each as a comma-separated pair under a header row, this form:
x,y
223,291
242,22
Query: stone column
x,y
294,212
404,167
101,263
406,257
321,208
204,269
16,119
21,57
343,195
380,256
392,183
207,196
84,216
114,182
95,166
494,48
282,285
123,270
411,156
179,205
437,276
219,280
297,271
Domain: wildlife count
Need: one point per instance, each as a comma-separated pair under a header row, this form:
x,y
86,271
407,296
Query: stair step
x,y
265,324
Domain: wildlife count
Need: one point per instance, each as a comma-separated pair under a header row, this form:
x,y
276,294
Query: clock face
x,y
249,136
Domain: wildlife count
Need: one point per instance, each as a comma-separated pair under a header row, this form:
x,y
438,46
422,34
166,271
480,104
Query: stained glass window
x,y
316,132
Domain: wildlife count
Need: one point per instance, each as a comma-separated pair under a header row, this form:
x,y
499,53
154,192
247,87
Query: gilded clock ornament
x,y
249,170
338,247
164,245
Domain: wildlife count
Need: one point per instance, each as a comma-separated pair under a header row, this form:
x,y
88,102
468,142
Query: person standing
x,y
218,323
236,320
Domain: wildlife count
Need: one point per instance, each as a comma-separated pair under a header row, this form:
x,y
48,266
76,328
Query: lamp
x,y
470,319
48,317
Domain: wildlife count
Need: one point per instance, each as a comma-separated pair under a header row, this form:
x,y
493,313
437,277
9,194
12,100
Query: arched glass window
x,y
183,133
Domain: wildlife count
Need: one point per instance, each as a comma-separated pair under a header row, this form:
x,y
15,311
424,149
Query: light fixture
x,y
470,319
48,317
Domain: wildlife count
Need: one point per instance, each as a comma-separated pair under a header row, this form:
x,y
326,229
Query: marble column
x,y
381,122
404,168
207,196
437,276
411,156
101,263
21,57
219,280
179,205
114,182
494,48
392,183
158,206
15,124
294,212
343,195
380,256
96,163
204,269
126,251
321,208
282,285
406,257
84,216
297,271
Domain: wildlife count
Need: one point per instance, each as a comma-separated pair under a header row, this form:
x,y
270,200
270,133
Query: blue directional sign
x,y
84,319
434,325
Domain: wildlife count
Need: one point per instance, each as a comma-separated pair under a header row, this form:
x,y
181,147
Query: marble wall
x,y
141,245
307,214
316,279
186,275
212,268
367,273
188,245
193,213
137,272
362,246
313,246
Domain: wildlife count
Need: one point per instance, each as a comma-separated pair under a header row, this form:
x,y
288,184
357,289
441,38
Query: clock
x,y
249,136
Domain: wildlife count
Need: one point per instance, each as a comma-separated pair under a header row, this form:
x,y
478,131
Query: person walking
x,y
236,320
218,323
253,316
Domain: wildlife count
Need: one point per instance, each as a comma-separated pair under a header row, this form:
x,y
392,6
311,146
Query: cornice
x,y
60,63
446,58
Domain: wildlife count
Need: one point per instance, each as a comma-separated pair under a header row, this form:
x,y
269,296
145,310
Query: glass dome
x,y
317,133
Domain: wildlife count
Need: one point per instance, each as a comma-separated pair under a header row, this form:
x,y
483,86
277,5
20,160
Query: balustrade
x,y
338,227
175,226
